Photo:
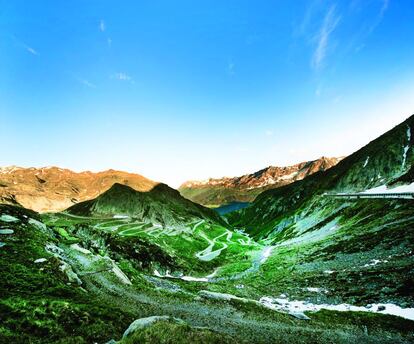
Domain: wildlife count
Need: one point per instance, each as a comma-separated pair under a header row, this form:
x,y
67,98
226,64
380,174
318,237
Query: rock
x,y
219,296
6,231
67,270
116,270
381,308
143,323
8,218
300,316
39,225
80,249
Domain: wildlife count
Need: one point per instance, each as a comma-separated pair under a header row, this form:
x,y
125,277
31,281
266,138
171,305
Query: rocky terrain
x,y
245,188
55,189
298,265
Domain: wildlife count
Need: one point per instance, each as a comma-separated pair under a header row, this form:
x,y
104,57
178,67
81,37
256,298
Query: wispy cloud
x,y
123,77
329,24
31,50
102,26
25,46
269,133
109,41
384,7
301,29
86,83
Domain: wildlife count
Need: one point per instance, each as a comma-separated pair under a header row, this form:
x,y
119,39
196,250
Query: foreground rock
x,y
143,323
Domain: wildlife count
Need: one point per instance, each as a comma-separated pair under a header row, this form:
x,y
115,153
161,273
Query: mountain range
x,y
55,189
327,257
245,188
386,161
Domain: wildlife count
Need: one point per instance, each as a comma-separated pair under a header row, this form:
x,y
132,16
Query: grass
x,y
40,306
165,332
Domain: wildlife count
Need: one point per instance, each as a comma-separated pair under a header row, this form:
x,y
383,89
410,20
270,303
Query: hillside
x,y
387,160
54,189
358,250
72,279
155,264
160,205
245,188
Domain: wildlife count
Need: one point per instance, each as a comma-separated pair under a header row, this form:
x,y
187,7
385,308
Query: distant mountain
x,y
160,205
55,189
284,213
247,187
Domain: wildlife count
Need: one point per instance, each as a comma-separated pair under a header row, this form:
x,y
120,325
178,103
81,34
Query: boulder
x,y
8,218
143,323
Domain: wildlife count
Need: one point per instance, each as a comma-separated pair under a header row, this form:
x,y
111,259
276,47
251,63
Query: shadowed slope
x,y
386,160
161,204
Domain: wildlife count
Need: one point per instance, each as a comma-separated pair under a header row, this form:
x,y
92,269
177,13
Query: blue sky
x,y
179,90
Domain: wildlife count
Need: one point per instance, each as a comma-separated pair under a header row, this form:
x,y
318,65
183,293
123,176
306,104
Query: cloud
x,y
26,47
102,26
269,133
123,77
86,83
31,50
302,28
384,7
329,24
109,41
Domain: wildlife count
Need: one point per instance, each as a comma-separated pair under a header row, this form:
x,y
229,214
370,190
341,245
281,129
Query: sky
x,y
185,90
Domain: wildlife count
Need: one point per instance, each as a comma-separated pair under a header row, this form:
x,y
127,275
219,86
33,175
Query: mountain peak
x,y
245,188
55,189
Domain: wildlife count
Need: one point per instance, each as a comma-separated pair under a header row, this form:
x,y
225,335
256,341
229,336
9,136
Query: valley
x,y
294,266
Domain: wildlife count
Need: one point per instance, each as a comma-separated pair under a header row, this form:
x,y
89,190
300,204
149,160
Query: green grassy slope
x,y
380,162
43,301
160,205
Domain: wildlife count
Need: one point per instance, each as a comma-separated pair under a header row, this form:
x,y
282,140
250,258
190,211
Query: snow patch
x,y
284,305
40,260
375,262
316,290
186,278
329,272
194,279
366,162
384,189
407,147
120,217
